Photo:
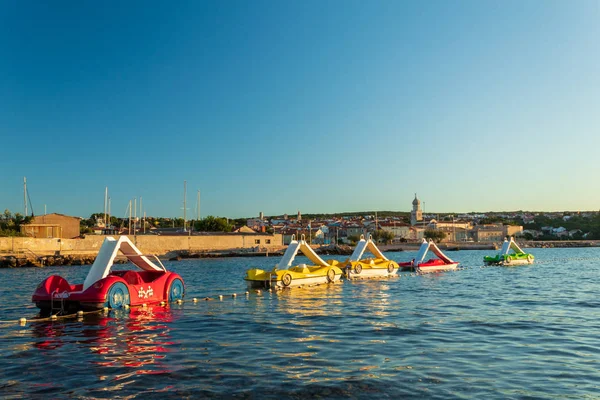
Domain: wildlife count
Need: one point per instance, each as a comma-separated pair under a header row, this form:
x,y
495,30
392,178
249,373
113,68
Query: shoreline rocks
x,y
48,261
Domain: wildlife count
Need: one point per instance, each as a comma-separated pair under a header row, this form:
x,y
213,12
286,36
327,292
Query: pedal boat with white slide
x,y
442,263
113,289
379,266
506,258
285,275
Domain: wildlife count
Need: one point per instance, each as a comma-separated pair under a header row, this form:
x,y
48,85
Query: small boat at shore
x,y
285,275
505,257
379,266
442,263
113,289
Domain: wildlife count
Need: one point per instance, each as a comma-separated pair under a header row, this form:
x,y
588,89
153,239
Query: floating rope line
x,y
80,314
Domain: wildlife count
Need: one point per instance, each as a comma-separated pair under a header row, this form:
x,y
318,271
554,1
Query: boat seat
x,y
302,268
132,278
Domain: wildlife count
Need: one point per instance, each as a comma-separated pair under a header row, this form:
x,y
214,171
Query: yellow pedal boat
x,y
285,275
379,266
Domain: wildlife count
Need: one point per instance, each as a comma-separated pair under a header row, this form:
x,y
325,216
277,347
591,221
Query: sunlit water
x,y
522,332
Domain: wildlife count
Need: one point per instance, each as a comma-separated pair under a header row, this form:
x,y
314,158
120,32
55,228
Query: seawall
x,y
166,246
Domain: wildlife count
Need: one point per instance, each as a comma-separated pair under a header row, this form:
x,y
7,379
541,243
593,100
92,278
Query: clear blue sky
x,y
321,106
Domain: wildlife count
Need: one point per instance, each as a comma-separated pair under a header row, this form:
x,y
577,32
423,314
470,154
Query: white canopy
x,y
106,256
363,245
292,250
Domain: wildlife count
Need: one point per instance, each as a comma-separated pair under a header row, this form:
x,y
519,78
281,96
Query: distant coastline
x,y
19,260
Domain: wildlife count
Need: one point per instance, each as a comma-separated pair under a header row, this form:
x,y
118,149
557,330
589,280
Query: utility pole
x,y
453,229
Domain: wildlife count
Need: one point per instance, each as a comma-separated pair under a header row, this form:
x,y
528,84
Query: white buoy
x,y
162,303
220,297
179,301
144,305
234,295
247,293
79,313
258,292
22,321
53,317
195,300
105,309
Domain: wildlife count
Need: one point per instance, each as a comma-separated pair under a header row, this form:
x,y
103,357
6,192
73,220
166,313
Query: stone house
x,y
52,226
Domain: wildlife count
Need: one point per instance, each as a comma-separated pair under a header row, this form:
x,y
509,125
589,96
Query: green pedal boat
x,y
505,257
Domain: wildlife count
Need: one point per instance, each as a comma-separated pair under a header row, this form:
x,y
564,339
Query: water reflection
x,y
137,338
493,333
322,300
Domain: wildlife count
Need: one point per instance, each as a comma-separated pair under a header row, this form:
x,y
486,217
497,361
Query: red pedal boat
x,y
114,289
442,263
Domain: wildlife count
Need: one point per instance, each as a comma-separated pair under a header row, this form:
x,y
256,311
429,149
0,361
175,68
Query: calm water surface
x,y
524,332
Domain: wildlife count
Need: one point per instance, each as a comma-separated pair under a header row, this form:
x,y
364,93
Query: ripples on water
x,y
522,332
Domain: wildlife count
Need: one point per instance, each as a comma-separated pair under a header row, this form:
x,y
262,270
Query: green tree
x,y
383,235
213,224
434,234
354,238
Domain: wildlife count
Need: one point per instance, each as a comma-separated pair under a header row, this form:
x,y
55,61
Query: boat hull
x,y
119,289
297,282
509,260
508,263
370,269
428,268
407,266
293,277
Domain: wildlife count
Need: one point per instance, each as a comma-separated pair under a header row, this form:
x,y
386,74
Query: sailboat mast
x,y
184,205
105,205
130,217
25,194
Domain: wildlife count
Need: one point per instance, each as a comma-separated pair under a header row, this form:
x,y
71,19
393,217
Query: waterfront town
x,y
385,227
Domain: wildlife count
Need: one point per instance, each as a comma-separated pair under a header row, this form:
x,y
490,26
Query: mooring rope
x,y
80,314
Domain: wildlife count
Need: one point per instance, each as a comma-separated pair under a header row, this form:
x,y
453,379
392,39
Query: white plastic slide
x,y
360,248
292,250
363,245
515,246
425,247
508,245
505,247
106,256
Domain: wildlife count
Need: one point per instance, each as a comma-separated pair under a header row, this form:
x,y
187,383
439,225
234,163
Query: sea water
x,y
522,332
